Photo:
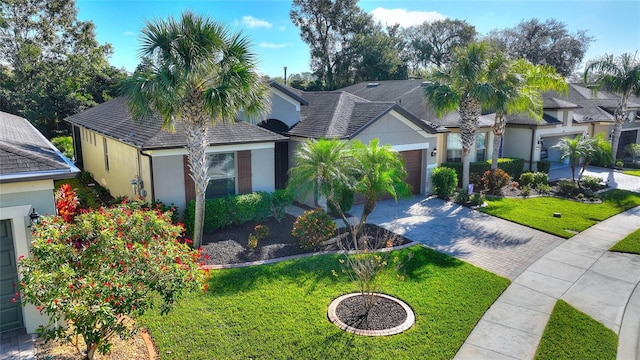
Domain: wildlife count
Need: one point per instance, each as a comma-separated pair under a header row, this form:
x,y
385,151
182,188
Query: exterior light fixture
x,y
34,217
434,152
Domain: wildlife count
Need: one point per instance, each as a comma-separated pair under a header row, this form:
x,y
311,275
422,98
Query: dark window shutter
x,y
189,185
244,171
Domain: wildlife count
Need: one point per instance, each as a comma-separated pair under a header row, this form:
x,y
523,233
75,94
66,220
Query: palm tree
x,y
465,86
321,169
201,74
578,150
620,75
519,85
380,171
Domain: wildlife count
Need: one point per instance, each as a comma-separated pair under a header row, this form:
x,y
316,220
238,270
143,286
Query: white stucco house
x,y
29,164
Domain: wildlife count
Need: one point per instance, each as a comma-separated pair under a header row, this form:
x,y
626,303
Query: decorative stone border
x,y
408,323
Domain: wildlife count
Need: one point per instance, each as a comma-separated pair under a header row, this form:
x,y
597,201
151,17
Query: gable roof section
x,y
410,95
113,119
289,91
25,154
340,114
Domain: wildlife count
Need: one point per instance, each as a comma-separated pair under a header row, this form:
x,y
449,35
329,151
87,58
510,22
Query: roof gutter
x,y
40,175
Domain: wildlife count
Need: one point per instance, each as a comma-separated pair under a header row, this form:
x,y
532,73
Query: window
x,y
481,146
106,154
222,175
454,147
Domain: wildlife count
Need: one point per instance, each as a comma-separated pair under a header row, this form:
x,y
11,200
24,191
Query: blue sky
x,y
613,23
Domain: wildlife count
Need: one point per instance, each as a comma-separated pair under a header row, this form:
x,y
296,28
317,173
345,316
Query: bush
x,y
313,228
525,190
461,198
544,166
526,179
540,178
591,182
602,154
513,166
633,150
567,187
543,188
262,231
477,199
64,144
495,180
345,198
444,182
280,199
235,210
252,242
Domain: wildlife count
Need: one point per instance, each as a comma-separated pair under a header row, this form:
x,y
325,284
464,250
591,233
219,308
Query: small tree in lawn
x,y
94,273
578,150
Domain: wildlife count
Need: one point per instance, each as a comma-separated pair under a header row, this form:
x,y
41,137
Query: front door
x,y
10,309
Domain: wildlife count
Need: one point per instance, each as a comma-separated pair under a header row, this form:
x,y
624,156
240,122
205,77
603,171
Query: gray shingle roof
x,y
25,154
410,95
340,114
114,120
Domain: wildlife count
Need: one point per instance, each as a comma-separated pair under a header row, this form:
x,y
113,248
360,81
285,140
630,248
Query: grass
x,y
279,311
571,334
630,244
538,212
632,172
86,196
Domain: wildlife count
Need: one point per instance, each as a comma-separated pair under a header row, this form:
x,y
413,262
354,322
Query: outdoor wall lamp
x,y
434,152
34,217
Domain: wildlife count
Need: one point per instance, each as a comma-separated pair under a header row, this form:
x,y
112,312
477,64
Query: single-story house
x,y
140,159
342,115
29,164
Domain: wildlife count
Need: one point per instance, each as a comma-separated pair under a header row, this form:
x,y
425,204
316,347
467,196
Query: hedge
x,y
513,167
235,210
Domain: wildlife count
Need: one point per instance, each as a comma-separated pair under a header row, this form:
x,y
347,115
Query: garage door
x,y
10,311
413,165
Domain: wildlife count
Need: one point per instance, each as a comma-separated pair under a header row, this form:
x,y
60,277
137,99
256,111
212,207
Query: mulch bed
x,y
385,313
229,246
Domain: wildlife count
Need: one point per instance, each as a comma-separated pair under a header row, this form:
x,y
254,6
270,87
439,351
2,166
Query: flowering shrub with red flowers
x,y
66,202
95,274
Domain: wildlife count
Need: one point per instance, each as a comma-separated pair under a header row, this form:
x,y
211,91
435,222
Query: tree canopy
x,y
51,65
543,43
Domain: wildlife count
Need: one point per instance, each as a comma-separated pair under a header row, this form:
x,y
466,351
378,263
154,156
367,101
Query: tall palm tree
x,y
464,86
201,75
380,171
519,85
620,75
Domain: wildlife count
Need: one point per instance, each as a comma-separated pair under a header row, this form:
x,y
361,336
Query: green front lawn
x,y
632,172
538,212
572,334
630,244
279,311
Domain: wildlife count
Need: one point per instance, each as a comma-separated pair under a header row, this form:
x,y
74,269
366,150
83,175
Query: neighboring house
x,y
140,159
580,112
342,115
410,95
28,166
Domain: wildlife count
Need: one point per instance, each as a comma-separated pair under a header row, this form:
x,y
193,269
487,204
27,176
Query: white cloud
x,y
282,28
405,18
129,33
252,22
272,45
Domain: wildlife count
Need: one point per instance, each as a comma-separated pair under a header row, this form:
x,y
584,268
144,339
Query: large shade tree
x,y
519,85
201,74
466,85
620,75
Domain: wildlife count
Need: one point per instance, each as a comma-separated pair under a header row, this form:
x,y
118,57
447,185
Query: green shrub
x,y
567,187
633,150
602,154
86,177
544,166
525,190
477,199
444,181
280,199
512,166
252,242
254,206
313,228
526,179
591,182
461,198
540,178
631,164
543,188
495,180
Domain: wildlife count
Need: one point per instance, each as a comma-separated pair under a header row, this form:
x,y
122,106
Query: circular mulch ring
x,y
389,316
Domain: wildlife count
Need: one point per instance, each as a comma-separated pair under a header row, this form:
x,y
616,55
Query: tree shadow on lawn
x,y
312,272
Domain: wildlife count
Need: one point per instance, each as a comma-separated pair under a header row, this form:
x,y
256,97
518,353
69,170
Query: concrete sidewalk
x,y
580,271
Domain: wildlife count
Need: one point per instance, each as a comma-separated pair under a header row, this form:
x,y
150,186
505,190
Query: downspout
x,y
533,147
152,187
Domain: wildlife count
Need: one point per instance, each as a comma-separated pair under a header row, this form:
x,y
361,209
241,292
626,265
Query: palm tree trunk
x,y
498,131
620,115
470,109
197,160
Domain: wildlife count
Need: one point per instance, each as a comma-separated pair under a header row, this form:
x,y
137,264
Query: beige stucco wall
x,y
516,143
16,202
393,129
263,166
168,178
